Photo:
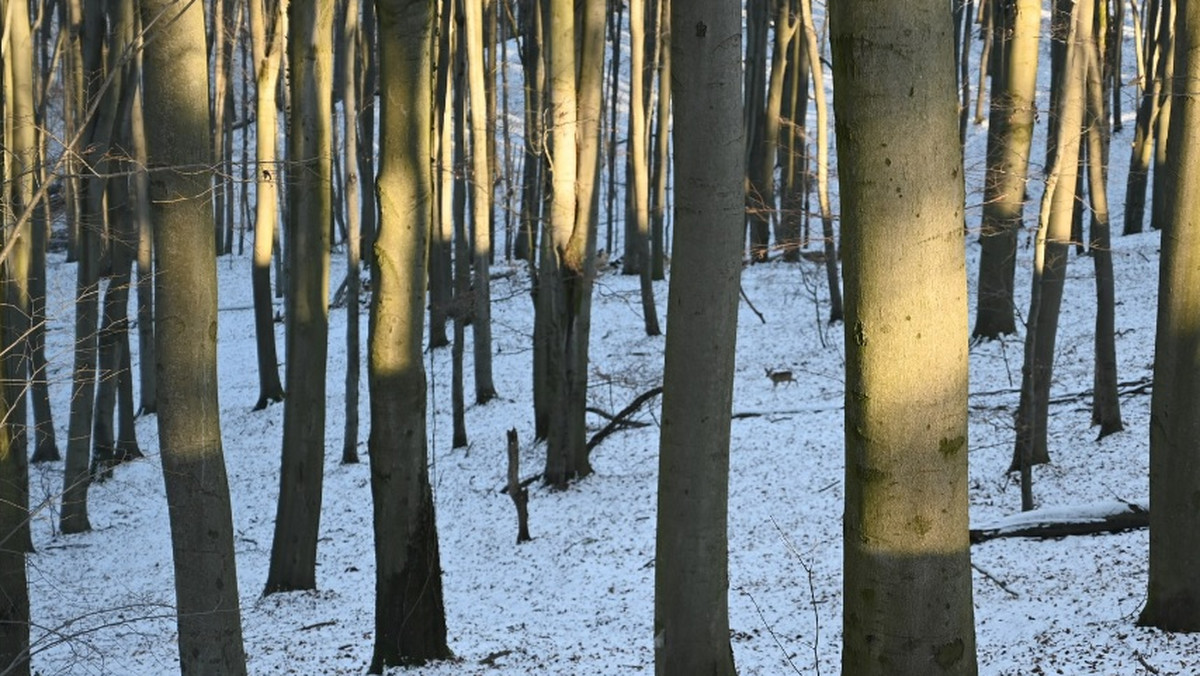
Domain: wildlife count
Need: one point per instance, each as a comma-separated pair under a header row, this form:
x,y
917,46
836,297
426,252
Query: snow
x,y
578,599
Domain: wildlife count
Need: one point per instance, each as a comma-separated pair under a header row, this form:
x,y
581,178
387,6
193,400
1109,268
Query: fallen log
x,y
1114,516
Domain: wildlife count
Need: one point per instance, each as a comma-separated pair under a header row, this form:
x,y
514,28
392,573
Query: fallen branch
x,y
618,420
1057,522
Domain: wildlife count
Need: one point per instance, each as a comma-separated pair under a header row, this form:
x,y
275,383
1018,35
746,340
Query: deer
x,y
778,377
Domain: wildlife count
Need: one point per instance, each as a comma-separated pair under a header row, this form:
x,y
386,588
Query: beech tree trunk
x,y
410,621
691,577
907,569
189,428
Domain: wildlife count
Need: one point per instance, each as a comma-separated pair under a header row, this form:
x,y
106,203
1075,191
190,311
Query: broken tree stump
x,y
518,493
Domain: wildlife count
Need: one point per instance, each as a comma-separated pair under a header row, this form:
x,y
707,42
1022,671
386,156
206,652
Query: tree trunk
x,y
640,179
1106,406
1050,255
148,395
1162,175
1010,136
353,227
310,211
480,299
1147,116
830,244
561,320
907,567
410,622
206,589
1173,599
757,23
98,135
18,202
691,581
267,43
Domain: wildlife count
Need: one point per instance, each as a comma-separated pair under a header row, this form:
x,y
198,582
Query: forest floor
x,y
578,599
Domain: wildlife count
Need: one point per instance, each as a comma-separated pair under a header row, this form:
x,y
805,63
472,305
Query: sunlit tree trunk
x,y
267,46
1010,136
480,300
310,211
1050,257
907,565
410,622
639,157
351,168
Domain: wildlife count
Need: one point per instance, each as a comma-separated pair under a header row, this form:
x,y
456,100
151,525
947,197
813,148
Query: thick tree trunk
x,y
206,588
907,567
410,622
15,278
310,211
1173,599
691,612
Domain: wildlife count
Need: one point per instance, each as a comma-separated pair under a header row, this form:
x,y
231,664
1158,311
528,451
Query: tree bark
x,y
1173,599
907,574
206,588
410,622
310,211
1050,254
1010,137
691,581
267,44
480,299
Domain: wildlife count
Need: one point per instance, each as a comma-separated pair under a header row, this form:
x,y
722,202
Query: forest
x,y
599,337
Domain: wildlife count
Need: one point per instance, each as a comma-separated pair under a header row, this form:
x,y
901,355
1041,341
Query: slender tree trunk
x,y
662,148
907,565
97,131
206,589
1050,258
480,299
267,43
148,392
1010,137
410,622
351,167
757,22
441,245
691,582
1106,406
640,180
1147,116
1173,598
310,211
830,244
1162,176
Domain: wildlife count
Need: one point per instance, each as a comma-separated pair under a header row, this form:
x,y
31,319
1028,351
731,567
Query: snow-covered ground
x,y
578,599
